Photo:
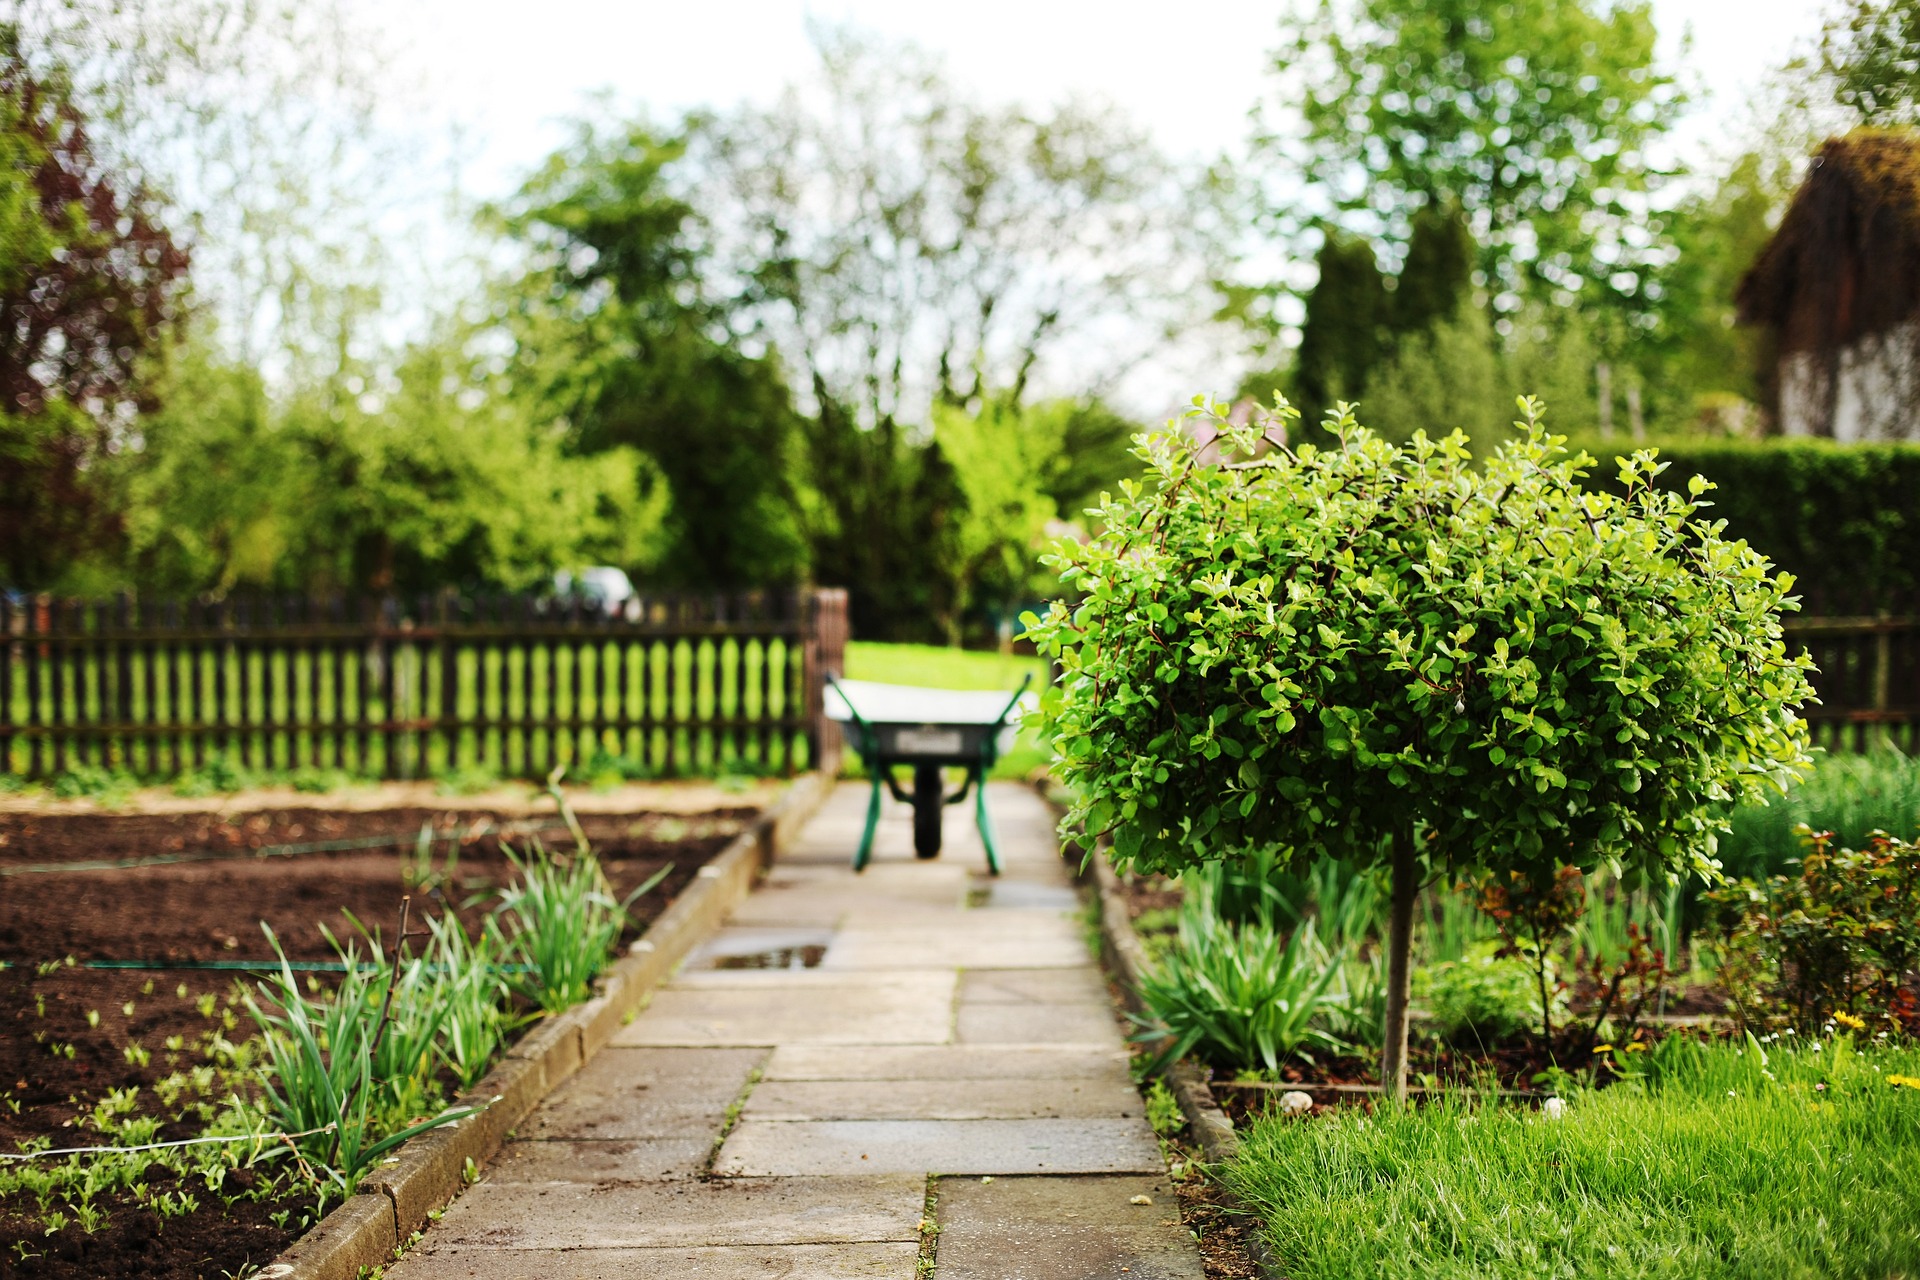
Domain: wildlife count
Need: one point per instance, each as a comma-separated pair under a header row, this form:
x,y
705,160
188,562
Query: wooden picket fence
x,y
1868,680
516,684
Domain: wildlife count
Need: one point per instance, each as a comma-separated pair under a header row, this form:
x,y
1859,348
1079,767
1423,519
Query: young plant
x,y
1238,995
561,920
1403,654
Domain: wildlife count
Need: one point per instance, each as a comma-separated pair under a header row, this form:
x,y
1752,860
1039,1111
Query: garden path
x,y
921,1030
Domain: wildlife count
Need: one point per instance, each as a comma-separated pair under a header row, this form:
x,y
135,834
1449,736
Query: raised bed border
x,y
1126,959
366,1229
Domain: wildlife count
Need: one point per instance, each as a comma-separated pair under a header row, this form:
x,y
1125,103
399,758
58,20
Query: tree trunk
x,y
1406,887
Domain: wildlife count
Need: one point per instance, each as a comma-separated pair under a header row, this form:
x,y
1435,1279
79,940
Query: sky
x,y
1188,73
509,77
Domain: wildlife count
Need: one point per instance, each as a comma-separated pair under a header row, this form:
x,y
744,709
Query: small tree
x,y
1388,654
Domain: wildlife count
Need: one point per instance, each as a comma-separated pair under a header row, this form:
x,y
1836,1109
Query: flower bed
x,y
109,1056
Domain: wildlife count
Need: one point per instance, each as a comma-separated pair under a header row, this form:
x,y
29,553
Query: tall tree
x,y
616,320
1871,53
1437,277
1340,342
88,284
1537,119
903,246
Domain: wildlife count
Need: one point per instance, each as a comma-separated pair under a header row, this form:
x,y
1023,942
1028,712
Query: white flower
x,y
1554,1108
1295,1103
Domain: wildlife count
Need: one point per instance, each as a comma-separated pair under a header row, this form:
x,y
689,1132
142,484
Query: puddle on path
x,y
802,957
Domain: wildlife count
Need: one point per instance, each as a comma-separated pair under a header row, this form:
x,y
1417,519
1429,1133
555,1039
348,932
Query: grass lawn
x,y
937,667
1721,1164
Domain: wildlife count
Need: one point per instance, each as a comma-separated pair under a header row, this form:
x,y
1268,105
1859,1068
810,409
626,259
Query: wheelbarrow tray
x,y
929,729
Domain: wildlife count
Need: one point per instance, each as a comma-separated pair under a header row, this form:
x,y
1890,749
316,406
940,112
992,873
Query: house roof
x,y
1846,259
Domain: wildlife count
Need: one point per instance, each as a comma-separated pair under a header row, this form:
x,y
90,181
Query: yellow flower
x,y
1848,1020
1603,1048
1909,1082
1636,1047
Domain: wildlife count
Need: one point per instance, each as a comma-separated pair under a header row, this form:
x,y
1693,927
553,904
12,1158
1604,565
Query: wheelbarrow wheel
x,y
929,797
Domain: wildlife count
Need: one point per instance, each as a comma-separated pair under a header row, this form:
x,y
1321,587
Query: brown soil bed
x,y
56,1060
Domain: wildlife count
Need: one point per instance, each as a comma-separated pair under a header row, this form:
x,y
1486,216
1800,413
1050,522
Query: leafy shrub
x,y
1838,939
1839,517
1408,654
1238,996
1482,998
315,781
467,780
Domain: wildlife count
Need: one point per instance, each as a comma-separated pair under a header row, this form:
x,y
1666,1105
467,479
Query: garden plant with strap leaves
x,y
1389,654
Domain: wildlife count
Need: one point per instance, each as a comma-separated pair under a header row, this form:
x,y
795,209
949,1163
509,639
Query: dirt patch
x,y
71,1033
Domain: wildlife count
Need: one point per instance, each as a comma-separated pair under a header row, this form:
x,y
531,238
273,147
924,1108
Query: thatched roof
x,y
1845,262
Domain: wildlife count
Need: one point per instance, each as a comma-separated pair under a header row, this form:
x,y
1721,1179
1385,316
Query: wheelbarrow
x,y
930,730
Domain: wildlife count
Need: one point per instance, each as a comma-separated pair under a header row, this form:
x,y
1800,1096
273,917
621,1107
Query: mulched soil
x,y
211,908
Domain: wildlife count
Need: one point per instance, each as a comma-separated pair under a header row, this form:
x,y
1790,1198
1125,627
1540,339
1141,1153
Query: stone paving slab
x,y
1055,944
1036,1024
1062,1229
772,1012
786,1261
765,1262
646,1093
839,1147
1080,985
940,1099
945,1062
602,1160
736,1211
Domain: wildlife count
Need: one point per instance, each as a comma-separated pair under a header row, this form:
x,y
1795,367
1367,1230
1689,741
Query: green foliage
x,y
1437,279
1871,54
88,284
1447,377
1838,517
1238,996
91,782
1851,796
615,324
322,1079
1480,998
561,920
1723,1163
1838,939
1323,649
1536,124
1340,340
447,476
218,774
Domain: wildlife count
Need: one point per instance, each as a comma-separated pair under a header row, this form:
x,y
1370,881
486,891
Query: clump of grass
x,y
1239,996
219,774
561,920
1715,1161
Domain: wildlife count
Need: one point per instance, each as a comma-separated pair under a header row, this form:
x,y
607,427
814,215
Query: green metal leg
x,y
980,819
873,820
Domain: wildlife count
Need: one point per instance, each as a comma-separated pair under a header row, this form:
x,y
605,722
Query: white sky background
x,y
509,74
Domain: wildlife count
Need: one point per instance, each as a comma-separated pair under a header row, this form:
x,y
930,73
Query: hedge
x,y
1844,519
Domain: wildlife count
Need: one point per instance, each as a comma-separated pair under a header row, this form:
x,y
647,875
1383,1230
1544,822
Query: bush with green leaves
x,y
1239,996
1481,998
1838,939
1404,654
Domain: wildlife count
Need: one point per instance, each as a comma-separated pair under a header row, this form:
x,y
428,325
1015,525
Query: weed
x,y
1163,1111
561,920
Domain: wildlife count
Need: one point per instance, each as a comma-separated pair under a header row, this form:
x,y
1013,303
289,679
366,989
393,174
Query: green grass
x,y
1723,1162
940,668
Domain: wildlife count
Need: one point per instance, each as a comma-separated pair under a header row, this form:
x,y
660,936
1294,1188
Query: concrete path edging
x,y
1126,959
429,1171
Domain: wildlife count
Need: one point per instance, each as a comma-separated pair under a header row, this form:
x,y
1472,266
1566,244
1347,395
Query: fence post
x,y
825,651
1882,678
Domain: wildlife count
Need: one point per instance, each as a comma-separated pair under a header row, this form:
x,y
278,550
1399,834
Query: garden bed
x,y
77,1034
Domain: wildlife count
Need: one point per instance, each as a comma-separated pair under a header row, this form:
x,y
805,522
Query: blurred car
x,y
603,588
